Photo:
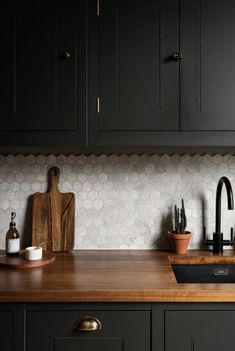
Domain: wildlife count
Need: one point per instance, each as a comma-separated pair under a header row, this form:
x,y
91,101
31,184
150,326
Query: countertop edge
x,y
122,296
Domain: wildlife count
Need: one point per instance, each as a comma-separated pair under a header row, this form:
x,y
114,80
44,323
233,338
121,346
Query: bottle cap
x,y
12,223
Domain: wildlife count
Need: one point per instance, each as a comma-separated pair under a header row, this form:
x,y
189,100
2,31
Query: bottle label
x,y
13,245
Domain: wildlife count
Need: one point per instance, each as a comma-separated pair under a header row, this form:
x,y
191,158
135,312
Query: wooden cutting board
x,y
53,218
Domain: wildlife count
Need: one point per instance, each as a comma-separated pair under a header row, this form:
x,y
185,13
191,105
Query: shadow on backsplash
x,y
27,224
202,200
166,225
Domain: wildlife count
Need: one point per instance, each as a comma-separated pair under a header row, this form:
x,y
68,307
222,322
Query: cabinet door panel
x,y
199,330
88,344
6,331
39,85
137,82
207,69
128,328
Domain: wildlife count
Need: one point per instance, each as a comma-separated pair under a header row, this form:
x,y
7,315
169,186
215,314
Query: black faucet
x,y
218,243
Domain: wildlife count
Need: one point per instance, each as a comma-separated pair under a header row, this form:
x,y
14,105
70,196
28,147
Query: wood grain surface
x,y
19,262
53,217
110,276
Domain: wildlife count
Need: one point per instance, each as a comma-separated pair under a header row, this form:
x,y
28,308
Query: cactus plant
x,y
180,219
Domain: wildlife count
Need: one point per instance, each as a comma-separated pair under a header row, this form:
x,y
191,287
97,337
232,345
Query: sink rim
x,y
201,260
204,273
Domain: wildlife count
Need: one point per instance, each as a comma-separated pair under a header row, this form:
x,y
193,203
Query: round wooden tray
x,y
19,262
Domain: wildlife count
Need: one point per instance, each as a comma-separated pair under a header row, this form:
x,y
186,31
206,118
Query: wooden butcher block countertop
x,y
117,276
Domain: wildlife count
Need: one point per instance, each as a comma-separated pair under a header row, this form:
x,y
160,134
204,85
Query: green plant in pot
x,y
179,237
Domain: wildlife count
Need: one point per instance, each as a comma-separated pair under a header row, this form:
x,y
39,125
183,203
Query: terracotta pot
x,y
179,242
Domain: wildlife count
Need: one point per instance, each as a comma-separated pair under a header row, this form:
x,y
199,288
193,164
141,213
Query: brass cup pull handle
x,y
87,324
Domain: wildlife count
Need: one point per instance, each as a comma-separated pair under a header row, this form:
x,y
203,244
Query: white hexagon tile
x,y
122,202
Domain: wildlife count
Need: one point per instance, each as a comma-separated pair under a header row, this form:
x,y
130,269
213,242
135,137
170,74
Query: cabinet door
x,y
134,78
6,334
42,69
207,69
199,330
120,331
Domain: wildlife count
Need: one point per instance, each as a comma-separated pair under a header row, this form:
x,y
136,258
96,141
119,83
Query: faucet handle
x,y
231,234
205,240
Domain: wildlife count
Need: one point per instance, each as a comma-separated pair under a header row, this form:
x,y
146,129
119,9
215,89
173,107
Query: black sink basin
x,y
204,273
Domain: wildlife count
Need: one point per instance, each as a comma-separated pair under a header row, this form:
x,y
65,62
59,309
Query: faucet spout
x,y
218,242
223,180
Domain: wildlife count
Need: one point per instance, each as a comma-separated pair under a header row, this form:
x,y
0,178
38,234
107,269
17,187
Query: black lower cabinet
x,y
192,327
60,330
200,330
117,327
11,327
6,330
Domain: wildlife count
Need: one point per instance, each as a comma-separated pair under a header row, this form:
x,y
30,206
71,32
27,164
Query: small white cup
x,y
33,253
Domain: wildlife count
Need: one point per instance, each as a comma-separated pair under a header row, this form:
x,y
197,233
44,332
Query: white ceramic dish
x,y
33,253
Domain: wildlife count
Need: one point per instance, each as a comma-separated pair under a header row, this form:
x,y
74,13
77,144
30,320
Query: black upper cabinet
x,y
144,96
134,81
208,70
120,52
42,72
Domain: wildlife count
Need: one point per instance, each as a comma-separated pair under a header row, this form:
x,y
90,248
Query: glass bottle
x,y
12,238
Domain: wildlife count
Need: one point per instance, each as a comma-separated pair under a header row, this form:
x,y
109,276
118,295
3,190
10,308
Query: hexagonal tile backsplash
x,y
122,202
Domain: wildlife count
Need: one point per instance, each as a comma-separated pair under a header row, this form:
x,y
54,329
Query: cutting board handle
x,y
54,175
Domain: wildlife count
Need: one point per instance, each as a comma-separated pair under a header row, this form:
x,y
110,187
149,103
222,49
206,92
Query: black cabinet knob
x,y
177,56
65,56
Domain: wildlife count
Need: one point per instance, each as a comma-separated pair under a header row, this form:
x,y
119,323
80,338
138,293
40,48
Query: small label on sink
x,y
221,271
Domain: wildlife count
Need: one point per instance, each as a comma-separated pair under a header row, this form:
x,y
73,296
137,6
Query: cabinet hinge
x,y
98,104
98,7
